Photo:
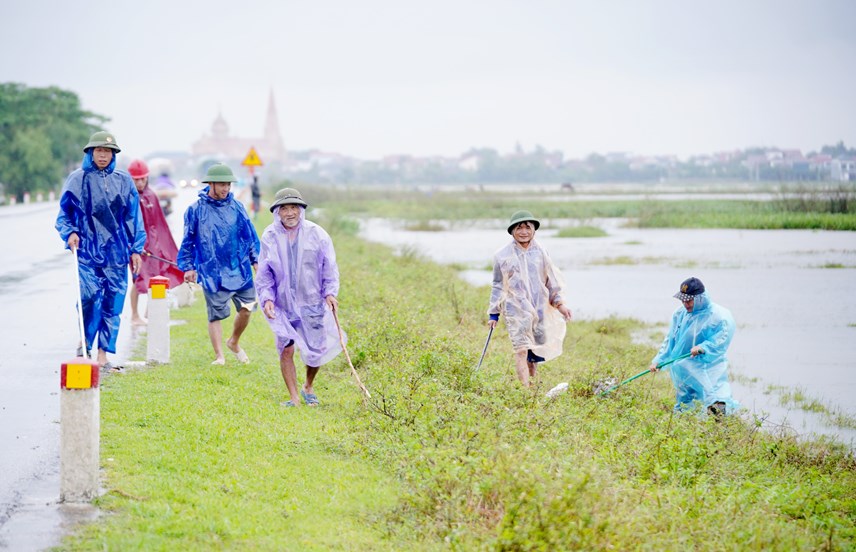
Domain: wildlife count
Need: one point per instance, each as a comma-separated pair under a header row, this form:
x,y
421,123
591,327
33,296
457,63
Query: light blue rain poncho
x,y
297,271
219,243
703,378
103,208
526,285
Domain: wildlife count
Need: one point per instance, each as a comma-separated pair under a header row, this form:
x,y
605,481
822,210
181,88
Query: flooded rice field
x,y
792,293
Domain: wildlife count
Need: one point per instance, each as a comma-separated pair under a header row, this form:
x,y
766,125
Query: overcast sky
x,y
369,78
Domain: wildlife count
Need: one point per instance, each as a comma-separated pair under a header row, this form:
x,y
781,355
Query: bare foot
x,y
138,321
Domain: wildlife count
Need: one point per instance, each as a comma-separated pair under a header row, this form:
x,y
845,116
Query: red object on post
x,y
158,285
80,373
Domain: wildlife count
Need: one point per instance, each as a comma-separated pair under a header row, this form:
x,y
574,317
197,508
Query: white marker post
x,y
80,430
157,348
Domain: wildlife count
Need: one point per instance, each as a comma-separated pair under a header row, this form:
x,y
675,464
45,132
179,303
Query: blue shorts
x,y
218,302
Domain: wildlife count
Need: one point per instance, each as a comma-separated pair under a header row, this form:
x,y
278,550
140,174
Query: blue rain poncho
x,y
103,208
297,271
219,243
526,285
703,378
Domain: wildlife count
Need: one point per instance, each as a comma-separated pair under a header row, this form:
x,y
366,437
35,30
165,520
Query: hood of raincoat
x,y
701,303
203,195
277,220
88,164
220,243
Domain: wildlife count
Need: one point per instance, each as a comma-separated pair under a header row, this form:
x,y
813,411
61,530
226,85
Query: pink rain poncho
x,y
297,271
159,242
526,285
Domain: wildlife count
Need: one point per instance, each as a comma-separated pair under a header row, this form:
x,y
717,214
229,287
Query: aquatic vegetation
x,y
581,232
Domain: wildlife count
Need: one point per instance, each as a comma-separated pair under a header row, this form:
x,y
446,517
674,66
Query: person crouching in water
x,y
297,283
703,329
527,288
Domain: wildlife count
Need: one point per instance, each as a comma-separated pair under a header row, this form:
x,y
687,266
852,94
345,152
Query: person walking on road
x,y
703,329
99,218
160,250
220,249
297,284
256,192
528,289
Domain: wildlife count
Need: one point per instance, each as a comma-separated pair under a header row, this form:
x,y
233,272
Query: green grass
x,y
581,232
198,457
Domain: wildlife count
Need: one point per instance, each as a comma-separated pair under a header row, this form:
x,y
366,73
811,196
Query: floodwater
x,y
795,313
39,332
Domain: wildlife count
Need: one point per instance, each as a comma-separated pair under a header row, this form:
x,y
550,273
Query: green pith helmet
x,y
287,196
102,139
219,172
522,216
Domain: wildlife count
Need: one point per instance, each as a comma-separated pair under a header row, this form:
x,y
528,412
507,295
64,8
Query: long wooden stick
x,y
347,356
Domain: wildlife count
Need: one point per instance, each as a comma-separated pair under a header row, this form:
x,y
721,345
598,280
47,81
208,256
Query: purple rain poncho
x,y
702,378
526,285
220,243
103,208
297,275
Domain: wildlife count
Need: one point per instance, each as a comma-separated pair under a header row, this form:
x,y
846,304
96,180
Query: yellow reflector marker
x,y
158,291
78,376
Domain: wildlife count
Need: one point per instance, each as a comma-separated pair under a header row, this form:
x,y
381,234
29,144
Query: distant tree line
x,y
485,165
42,131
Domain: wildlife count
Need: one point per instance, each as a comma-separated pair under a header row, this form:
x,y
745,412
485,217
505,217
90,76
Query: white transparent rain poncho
x,y
297,271
526,285
703,378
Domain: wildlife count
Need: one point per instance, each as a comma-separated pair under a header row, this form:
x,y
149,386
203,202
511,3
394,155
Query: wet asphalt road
x,y
38,332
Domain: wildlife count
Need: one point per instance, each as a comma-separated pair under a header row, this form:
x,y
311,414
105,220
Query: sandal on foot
x,y
309,398
110,367
219,362
241,355
287,403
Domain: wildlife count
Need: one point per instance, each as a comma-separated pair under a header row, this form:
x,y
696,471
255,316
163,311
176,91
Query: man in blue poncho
x,y
703,329
99,217
220,249
298,286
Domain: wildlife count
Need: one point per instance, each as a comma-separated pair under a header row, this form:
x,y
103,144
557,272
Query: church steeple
x,y
272,135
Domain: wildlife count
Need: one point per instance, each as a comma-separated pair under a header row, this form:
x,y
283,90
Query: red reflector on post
x,y
158,285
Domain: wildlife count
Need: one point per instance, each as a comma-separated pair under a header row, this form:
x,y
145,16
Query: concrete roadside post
x,y
157,348
80,430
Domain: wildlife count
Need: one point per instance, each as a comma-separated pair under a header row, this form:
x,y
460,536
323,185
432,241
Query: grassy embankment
x,y
813,210
198,457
